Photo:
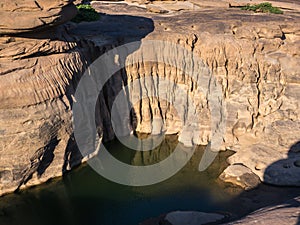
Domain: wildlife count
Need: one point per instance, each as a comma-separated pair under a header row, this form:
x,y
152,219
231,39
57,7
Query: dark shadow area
x,y
72,157
295,147
285,171
108,32
39,162
117,29
47,157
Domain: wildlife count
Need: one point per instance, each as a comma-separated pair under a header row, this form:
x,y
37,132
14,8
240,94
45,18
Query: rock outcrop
x,y
192,218
286,213
39,72
255,58
27,15
240,175
36,78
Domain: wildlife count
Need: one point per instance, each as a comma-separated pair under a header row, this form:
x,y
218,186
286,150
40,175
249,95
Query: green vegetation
x,y
264,7
85,13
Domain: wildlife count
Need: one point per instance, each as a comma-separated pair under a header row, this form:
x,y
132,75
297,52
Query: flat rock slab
x,y
283,4
192,218
185,218
26,15
284,214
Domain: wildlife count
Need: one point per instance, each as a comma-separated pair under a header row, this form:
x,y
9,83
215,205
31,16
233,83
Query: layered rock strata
x,y
27,15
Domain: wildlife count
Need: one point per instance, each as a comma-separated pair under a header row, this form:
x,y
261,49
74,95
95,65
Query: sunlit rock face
x,y
37,77
26,15
39,72
255,62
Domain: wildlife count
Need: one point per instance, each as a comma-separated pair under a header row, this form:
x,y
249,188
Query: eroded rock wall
x,y
256,65
37,77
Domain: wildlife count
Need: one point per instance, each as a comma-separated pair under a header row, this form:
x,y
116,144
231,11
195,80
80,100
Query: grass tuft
x,y
85,13
264,7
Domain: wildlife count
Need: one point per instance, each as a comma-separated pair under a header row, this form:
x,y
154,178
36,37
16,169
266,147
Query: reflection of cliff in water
x,y
84,197
162,151
139,158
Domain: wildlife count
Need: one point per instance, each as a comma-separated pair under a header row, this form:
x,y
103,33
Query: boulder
x,y
192,218
241,176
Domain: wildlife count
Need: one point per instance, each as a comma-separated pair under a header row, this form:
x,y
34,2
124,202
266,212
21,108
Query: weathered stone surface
x,y
35,86
254,64
192,218
38,77
173,6
270,164
241,176
256,67
285,214
27,15
185,217
283,4
156,9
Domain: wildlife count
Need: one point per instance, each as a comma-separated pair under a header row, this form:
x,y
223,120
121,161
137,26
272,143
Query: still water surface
x,y
84,197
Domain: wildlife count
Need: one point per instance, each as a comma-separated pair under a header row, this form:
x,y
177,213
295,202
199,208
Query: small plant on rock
x,y
85,13
265,7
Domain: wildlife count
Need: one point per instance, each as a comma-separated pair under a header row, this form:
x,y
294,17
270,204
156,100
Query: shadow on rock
x,y
285,172
108,33
272,204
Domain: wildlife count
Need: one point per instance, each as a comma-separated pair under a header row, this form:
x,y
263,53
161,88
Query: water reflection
x,y
84,197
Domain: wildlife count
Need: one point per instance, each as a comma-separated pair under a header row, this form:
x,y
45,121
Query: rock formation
x,y
286,213
37,72
22,16
255,58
